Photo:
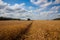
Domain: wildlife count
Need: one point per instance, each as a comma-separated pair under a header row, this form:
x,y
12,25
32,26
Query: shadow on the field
x,y
22,33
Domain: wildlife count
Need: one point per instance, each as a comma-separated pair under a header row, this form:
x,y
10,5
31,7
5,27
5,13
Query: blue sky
x,y
17,1
33,9
27,2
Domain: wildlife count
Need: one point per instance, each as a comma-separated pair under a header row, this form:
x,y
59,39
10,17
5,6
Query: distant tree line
x,y
57,19
5,18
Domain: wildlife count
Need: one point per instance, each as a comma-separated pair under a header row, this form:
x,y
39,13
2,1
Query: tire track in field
x,y
21,34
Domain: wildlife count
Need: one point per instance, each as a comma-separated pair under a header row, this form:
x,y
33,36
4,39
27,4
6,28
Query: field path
x,y
20,36
12,30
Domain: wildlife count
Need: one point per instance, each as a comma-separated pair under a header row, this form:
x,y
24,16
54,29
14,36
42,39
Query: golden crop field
x,y
9,30
30,30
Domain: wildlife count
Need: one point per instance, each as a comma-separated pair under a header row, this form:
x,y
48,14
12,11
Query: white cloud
x,y
41,3
19,10
43,15
15,11
30,7
16,6
57,1
38,1
55,8
46,4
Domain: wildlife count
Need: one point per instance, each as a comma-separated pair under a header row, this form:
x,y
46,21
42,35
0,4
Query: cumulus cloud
x,y
46,15
43,4
38,1
20,11
15,11
30,7
52,13
57,1
46,4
